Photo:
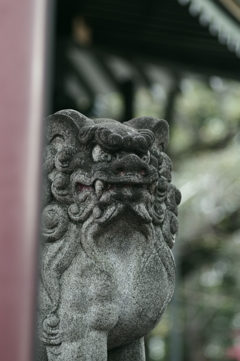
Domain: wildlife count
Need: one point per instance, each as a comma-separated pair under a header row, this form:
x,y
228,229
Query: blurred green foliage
x,y
201,322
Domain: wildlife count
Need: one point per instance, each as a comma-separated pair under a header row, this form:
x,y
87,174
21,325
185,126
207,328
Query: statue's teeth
x,y
99,187
152,187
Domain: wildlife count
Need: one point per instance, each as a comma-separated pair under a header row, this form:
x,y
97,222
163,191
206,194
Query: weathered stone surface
x,y
108,224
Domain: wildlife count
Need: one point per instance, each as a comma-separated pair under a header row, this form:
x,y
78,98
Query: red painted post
x,y
22,57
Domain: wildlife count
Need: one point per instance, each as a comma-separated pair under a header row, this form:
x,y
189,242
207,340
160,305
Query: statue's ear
x,y
159,127
79,119
65,125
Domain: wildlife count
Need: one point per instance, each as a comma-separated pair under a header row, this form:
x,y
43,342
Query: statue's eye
x,y
99,155
146,157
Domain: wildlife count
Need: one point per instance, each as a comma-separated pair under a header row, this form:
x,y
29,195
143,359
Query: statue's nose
x,y
131,163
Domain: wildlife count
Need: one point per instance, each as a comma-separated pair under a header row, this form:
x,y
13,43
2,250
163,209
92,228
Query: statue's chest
x,y
124,279
122,252
111,265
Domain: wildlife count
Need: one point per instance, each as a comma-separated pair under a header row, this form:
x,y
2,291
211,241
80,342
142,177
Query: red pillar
x,y
22,56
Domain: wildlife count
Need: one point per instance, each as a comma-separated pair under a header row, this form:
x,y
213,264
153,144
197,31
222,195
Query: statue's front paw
x,y
51,335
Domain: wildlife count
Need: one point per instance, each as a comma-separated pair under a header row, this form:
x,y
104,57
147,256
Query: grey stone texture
x,y
109,222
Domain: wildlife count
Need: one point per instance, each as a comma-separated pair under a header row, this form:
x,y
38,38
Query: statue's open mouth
x,y
101,187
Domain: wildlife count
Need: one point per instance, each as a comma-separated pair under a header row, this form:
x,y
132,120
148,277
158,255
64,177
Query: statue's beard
x,y
132,207
137,212
130,200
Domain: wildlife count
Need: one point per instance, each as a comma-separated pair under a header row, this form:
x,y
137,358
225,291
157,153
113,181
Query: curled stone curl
x,y
60,187
54,222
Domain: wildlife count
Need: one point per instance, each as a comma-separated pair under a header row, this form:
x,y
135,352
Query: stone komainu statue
x,y
108,223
